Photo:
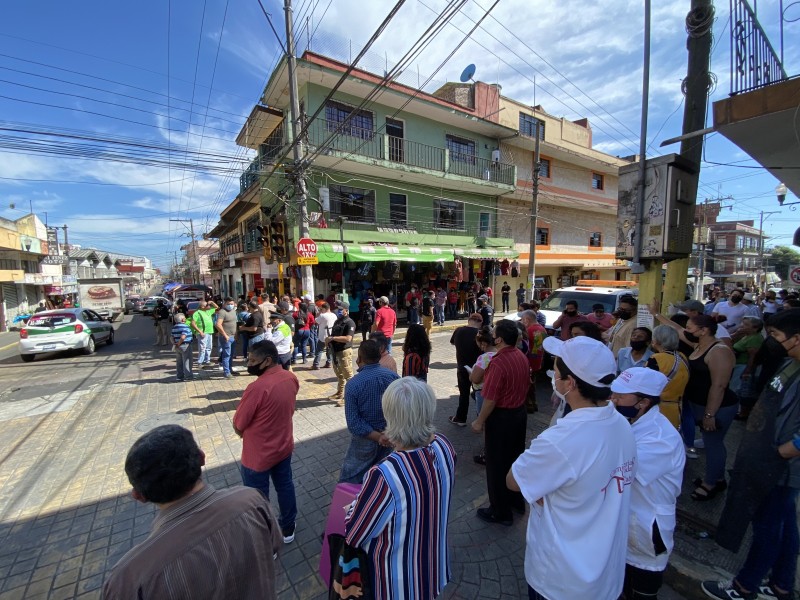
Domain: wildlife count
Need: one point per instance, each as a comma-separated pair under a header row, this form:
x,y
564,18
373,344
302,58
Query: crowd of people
x,y
599,485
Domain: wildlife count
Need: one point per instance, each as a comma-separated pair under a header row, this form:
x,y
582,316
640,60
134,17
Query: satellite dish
x,y
467,74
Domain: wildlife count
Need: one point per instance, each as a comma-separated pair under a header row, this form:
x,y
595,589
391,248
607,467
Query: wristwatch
x,y
708,416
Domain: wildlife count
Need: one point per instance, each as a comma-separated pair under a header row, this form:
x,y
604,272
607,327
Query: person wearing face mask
x,y
619,336
577,476
637,354
263,420
708,401
569,316
765,482
226,327
733,310
655,489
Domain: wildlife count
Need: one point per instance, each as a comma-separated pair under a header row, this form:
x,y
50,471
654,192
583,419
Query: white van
x,y
587,293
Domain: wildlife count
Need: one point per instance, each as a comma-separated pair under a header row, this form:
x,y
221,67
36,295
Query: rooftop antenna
x,y
467,74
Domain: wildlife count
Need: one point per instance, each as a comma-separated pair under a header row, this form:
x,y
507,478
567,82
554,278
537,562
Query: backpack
x,y
300,321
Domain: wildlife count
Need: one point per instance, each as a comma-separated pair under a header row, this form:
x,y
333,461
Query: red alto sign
x,y
306,248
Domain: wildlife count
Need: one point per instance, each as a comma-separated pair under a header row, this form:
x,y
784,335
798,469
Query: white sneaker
x,y
691,453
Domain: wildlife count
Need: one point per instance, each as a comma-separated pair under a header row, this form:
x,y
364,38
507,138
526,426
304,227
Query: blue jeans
x,y
183,361
362,454
319,351
412,316
775,542
281,475
226,354
438,313
478,400
716,453
301,340
204,345
688,424
244,338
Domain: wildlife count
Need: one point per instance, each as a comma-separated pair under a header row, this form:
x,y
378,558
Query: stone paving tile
x,y
66,516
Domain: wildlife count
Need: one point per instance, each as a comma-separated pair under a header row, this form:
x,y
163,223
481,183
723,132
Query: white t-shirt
x,y
325,323
733,312
722,332
582,469
660,459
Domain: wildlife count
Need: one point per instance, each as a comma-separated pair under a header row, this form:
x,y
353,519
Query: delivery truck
x,y
103,296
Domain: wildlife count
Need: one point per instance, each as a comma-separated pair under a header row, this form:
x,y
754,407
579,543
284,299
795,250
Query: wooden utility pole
x,y
696,87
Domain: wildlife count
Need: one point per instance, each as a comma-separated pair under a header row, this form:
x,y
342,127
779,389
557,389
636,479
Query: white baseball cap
x,y
640,380
587,358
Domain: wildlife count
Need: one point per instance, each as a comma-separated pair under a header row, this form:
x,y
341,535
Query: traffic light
x,y
279,240
263,237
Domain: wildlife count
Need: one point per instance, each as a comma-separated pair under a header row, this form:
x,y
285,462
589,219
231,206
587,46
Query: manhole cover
x,y
162,419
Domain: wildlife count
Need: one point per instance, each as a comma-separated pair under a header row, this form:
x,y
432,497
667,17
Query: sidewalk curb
x,y
685,576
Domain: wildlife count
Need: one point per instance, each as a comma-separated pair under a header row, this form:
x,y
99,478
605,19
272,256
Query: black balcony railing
x,y
364,142
754,63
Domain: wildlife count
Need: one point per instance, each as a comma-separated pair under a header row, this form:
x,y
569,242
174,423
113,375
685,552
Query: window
x,y
448,214
461,149
739,242
597,181
398,209
738,263
354,204
719,266
721,242
360,125
527,126
542,236
596,240
544,168
485,224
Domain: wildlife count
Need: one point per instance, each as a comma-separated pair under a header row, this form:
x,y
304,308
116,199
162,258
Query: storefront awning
x,y
485,253
329,252
422,254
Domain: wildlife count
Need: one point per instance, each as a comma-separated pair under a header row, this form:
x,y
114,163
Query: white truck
x,y
104,296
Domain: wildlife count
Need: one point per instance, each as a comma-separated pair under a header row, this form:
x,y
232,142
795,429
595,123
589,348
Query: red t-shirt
x,y
507,378
385,321
264,417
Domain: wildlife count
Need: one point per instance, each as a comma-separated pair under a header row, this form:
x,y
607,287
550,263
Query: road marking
x,y
11,345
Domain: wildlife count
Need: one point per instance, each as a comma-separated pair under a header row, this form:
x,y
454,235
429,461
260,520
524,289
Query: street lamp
x,y
781,192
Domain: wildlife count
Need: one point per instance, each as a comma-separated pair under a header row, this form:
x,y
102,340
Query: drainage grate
x,y
162,419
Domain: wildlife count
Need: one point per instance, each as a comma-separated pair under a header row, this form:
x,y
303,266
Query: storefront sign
x,y
55,259
251,266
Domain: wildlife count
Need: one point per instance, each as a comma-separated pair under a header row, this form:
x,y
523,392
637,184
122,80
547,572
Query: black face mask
x,y
256,370
690,337
639,345
624,314
735,299
775,348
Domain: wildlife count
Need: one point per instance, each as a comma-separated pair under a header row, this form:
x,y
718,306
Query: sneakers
x,y
691,453
486,515
726,590
327,365
454,421
288,533
766,591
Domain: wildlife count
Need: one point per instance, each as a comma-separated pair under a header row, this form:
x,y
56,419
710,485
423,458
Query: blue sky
x,y
179,76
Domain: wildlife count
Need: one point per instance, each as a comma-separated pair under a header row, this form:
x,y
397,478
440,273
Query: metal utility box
x,y
670,194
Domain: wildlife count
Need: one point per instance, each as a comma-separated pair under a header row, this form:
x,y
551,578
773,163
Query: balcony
x,y
215,261
355,141
231,245
396,227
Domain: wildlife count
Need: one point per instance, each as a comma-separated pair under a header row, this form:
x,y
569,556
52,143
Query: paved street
x,y
66,423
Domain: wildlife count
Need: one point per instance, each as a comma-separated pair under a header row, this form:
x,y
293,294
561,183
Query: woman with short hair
x,y
675,367
400,516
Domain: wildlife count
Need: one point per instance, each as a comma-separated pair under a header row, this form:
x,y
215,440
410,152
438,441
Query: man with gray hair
x,y
182,343
195,523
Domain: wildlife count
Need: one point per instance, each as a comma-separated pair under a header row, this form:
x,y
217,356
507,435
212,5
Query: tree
x,y
782,257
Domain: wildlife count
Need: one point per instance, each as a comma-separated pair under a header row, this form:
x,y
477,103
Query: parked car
x,y
150,304
133,305
64,329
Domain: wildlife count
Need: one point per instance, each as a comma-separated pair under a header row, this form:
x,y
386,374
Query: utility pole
x,y
698,45
194,262
534,211
307,279
702,240
762,278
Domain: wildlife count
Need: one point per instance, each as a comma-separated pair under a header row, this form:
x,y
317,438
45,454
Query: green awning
x,y
422,254
329,252
486,253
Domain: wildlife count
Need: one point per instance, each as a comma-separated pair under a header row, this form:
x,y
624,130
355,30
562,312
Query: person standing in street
x,y
226,326
367,318
520,296
341,342
505,295
536,335
440,300
203,328
504,419
655,489
733,310
600,317
766,480
280,334
385,320
161,318
362,409
568,317
427,312
577,477
182,342
387,360
263,420
467,352
619,336
325,321
452,303
195,523
486,311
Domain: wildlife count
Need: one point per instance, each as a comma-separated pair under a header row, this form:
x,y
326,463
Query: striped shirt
x,y
415,366
362,399
180,329
400,519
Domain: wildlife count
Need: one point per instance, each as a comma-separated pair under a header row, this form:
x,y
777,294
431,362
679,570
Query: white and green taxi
x,y
64,329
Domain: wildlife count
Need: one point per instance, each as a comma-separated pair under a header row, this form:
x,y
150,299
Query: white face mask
x,y
558,394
